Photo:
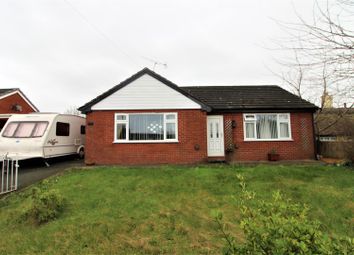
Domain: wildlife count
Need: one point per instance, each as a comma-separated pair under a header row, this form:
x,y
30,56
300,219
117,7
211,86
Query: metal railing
x,y
9,175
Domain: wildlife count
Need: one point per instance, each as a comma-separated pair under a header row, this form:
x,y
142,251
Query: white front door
x,y
215,132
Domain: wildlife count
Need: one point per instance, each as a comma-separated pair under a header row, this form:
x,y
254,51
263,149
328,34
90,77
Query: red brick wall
x,y
100,148
302,146
7,103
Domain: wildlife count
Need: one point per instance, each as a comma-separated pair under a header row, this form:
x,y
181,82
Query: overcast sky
x,y
63,53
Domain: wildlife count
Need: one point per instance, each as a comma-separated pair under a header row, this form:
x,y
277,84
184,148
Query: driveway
x,y
33,171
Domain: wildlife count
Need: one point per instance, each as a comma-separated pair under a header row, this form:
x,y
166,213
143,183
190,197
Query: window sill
x,y
158,141
268,140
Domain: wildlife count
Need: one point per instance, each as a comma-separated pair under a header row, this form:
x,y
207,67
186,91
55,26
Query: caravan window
x,y
10,129
25,129
39,129
82,130
63,129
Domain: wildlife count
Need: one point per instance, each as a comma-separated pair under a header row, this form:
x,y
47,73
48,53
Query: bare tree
x,y
323,60
342,112
324,51
327,40
293,77
73,110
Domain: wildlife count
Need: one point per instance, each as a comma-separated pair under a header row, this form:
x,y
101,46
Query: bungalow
x,y
147,119
13,101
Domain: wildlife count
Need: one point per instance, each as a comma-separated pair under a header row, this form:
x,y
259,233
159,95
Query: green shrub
x,y
46,205
280,227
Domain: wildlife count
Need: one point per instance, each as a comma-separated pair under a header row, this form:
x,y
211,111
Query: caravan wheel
x,y
81,153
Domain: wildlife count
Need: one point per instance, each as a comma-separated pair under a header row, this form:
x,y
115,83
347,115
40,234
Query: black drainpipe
x,y
315,141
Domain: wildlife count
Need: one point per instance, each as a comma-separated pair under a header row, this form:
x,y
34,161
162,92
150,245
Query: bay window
x,y
267,126
146,127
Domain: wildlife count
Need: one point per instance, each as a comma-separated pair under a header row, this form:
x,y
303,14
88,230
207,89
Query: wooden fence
x,y
340,149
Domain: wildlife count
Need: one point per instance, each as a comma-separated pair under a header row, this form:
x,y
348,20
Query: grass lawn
x,y
167,209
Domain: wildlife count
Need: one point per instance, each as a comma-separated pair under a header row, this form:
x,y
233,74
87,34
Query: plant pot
x,y
273,157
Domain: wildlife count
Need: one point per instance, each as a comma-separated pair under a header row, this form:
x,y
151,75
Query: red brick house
x,y
147,119
13,101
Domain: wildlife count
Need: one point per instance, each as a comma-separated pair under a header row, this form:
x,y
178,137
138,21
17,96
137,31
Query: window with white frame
x,y
140,127
267,126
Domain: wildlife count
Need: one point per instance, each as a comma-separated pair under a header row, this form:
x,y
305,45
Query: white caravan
x,y
42,135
